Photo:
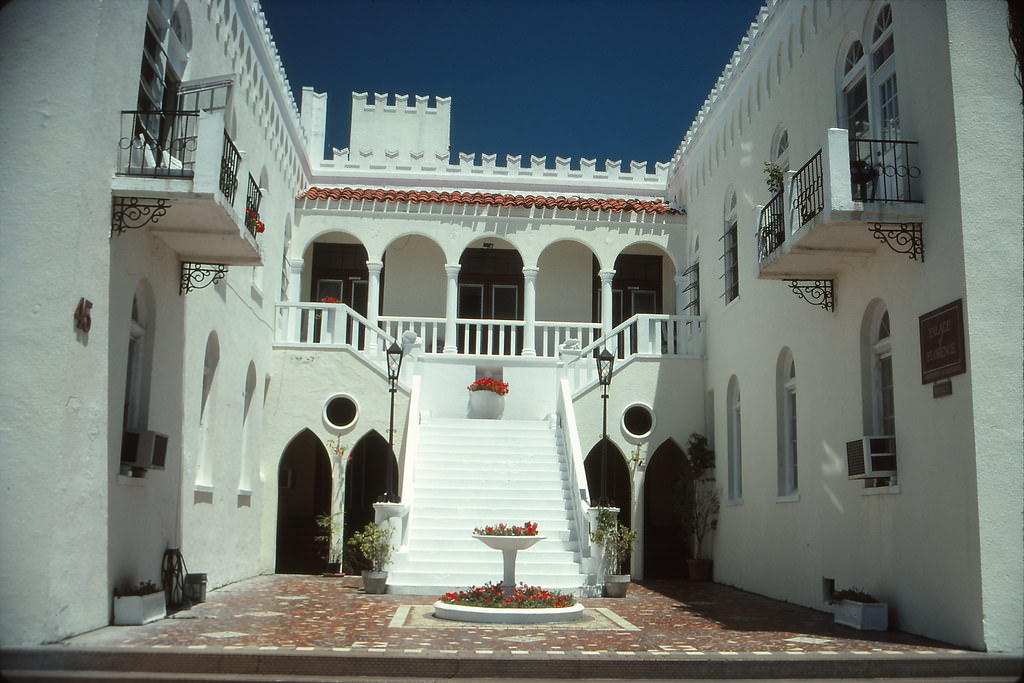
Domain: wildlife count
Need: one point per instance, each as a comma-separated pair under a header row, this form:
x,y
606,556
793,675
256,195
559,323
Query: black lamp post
x,y
394,354
605,362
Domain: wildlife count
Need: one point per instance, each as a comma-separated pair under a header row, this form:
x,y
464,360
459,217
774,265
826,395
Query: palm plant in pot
x,y
374,543
616,540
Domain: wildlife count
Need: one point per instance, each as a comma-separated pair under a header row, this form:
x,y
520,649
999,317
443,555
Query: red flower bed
x,y
527,529
492,595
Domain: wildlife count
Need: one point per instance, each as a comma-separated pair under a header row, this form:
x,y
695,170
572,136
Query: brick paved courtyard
x,y
662,619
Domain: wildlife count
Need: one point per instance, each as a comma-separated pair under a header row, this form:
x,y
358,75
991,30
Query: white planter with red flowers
x,y
487,398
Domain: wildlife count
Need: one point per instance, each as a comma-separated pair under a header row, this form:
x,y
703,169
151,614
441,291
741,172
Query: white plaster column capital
x,y
606,275
375,267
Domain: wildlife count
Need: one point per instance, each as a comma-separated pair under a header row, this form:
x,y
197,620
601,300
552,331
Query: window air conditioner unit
x,y
870,457
144,448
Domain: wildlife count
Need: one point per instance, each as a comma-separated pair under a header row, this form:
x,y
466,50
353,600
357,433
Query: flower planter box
x,y
135,610
864,616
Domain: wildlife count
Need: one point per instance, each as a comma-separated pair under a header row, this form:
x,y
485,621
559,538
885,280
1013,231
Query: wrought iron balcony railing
x,y
158,143
252,208
809,189
882,170
229,161
771,229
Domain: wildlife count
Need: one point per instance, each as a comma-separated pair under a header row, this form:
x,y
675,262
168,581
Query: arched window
x,y
869,105
878,395
787,434
168,38
731,250
780,148
735,442
884,413
883,78
136,375
855,116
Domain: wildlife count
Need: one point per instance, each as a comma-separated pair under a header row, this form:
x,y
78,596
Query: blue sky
x,y
594,78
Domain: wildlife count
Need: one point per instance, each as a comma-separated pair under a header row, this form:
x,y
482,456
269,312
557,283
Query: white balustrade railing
x,y
646,335
643,335
317,323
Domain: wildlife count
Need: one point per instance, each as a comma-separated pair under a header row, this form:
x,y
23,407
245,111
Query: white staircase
x,y
470,473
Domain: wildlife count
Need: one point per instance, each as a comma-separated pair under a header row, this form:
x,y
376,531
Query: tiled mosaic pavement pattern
x,y
657,619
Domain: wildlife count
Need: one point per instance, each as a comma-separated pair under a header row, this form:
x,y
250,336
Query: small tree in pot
x,y
374,544
616,540
702,515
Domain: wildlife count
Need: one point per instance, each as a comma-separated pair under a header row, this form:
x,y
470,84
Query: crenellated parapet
x,y
396,137
491,165
737,64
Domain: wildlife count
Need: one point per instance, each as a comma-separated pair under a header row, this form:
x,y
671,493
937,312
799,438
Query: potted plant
x,y
863,174
330,531
616,541
860,610
487,398
374,544
774,177
702,514
140,604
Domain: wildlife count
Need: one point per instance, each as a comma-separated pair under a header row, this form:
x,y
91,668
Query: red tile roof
x,y
488,199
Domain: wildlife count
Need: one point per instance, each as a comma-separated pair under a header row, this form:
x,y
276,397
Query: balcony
x,y
851,198
177,176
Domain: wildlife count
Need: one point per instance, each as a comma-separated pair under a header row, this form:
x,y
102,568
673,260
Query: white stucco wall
x,y
989,169
893,542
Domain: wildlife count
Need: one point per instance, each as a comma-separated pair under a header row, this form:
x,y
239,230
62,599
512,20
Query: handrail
x,y
577,471
323,328
410,449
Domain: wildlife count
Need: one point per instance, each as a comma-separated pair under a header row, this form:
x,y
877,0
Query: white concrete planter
x,y
135,610
486,405
865,616
507,615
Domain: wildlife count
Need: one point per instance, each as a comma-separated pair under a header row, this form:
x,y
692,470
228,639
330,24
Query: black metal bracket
x,y
131,213
200,275
903,238
815,292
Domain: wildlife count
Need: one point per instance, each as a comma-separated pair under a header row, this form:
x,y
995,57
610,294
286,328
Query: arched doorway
x,y
668,490
303,494
617,479
365,484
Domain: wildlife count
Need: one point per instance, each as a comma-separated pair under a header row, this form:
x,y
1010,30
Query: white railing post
x,y
451,308
835,163
643,334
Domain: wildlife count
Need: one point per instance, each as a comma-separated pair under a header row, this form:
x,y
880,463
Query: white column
x,y
294,294
451,308
372,306
606,276
529,310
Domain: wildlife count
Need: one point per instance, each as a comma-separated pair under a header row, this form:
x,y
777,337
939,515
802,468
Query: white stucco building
x,y
197,298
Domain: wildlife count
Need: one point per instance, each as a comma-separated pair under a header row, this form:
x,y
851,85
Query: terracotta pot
x,y
699,570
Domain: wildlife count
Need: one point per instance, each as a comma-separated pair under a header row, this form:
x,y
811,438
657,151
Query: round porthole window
x,y
340,413
637,422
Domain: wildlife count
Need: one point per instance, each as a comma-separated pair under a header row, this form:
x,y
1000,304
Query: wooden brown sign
x,y
942,343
